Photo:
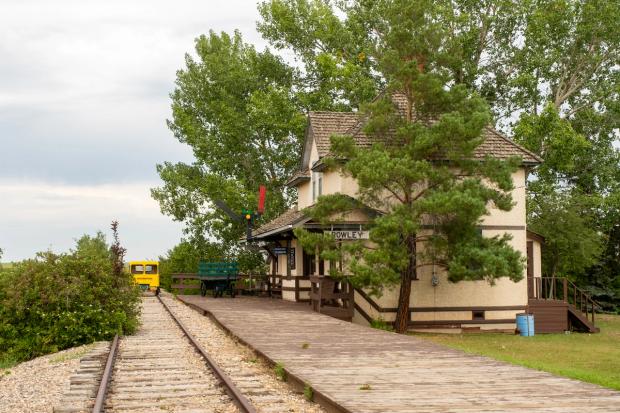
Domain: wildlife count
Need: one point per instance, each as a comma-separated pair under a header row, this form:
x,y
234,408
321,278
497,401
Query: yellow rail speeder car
x,y
145,274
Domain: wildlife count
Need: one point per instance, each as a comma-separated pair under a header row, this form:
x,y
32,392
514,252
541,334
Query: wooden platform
x,y
358,369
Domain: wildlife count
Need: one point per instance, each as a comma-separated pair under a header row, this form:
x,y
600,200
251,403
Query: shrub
x,y
57,301
381,324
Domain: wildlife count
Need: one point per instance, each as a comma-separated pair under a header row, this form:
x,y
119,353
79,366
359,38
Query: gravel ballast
x,y
38,384
242,364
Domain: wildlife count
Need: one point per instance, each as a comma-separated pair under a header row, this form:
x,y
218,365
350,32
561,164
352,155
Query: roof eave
x,y
296,180
283,228
319,166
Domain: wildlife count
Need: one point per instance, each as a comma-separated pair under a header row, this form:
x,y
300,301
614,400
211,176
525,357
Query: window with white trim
x,y
317,185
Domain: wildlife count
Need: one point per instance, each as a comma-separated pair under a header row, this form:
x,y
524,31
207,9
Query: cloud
x,y
84,88
36,216
83,78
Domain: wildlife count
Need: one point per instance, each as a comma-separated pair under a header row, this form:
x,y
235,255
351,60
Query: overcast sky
x,y
84,91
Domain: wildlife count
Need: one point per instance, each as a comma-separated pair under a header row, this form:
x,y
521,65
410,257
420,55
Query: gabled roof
x,y
281,223
323,125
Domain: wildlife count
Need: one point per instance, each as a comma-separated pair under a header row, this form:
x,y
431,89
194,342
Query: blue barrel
x,y
525,324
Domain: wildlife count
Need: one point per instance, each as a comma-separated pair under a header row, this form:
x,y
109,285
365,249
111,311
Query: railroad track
x,y
164,369
266,393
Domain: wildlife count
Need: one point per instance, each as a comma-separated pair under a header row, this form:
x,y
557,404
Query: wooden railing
x,y
252,283
561,288
246,282
178,282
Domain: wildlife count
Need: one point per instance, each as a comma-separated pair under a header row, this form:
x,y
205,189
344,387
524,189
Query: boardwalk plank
x,y
405,374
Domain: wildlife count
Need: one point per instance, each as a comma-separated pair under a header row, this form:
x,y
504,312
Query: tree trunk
x,y
401,324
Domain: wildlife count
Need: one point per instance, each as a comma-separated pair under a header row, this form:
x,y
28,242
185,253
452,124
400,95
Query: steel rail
x,y
235,394
107,374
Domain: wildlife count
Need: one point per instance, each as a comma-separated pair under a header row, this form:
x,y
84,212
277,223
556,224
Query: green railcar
x,y
219,277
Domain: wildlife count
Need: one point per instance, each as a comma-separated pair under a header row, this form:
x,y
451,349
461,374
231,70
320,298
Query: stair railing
x,y
563,289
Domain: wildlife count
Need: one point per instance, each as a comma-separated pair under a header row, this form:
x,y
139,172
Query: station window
x,y
137,269
317,185
151,269
477,315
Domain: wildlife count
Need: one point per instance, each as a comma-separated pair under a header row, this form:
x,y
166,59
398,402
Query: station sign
x,y
279,250
349,235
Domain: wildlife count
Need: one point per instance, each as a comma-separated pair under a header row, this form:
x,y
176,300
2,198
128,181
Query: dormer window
x,y
317,185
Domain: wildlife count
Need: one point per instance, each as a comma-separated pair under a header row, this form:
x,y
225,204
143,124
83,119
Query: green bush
x,y
56,301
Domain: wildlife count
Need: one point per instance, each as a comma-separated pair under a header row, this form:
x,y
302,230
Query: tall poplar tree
x,y
235,107
420,174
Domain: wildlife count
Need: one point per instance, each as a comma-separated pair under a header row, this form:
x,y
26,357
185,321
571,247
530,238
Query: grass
x,y
6,362
381,324
280,372
308,392
594,358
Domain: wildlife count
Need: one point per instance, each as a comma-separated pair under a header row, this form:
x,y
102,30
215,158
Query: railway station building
x,y
435,303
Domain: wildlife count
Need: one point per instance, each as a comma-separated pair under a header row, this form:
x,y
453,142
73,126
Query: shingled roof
x,y
288,218
324,125
298,177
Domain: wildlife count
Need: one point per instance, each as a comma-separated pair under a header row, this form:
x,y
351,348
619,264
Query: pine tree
x,y
420,174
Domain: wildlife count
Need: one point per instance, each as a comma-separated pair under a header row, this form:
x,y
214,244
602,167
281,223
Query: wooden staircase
x,y
559,305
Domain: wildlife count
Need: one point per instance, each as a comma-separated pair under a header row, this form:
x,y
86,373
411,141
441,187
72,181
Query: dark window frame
x,y
134,269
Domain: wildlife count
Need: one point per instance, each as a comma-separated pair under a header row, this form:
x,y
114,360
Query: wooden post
x,y
351,294
288,259
320,299
565,296
274,265
575,296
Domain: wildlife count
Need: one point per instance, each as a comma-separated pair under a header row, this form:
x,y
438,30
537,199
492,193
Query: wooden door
x,y
308,264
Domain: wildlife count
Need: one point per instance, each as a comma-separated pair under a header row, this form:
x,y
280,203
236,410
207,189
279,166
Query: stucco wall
x,y
537,256
288,295
516,216
304,195
349,186
333,182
